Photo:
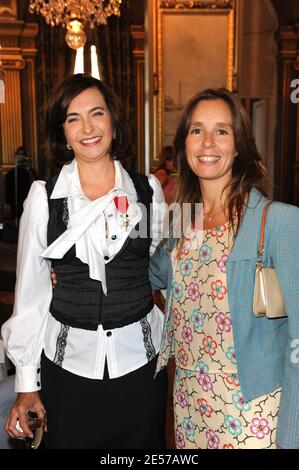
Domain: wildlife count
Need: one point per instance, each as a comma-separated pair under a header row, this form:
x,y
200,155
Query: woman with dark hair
x,y
164,170
237,376
85,352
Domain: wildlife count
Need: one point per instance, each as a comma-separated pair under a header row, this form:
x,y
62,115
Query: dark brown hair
x,y
248,169
56,114
166,154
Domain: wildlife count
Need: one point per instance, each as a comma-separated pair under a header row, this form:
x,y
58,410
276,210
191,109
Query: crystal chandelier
x,y
75,14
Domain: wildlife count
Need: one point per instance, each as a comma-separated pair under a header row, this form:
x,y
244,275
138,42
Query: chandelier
x,y
75,14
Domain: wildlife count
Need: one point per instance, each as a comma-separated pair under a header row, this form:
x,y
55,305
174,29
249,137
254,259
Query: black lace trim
x,y
60,345
147,339
65,212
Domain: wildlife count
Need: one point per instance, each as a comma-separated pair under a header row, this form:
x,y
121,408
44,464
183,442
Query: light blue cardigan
x,y
266,359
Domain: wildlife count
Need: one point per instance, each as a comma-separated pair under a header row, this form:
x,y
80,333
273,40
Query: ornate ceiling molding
x,y
12,62
8,9
17,34
197,4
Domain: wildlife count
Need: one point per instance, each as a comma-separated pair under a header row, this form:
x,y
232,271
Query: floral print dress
x,y
210,411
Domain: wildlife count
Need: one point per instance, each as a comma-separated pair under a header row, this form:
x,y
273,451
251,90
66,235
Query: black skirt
x,y
123,413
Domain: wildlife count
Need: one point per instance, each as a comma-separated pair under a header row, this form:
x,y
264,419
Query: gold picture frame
x,y
188,56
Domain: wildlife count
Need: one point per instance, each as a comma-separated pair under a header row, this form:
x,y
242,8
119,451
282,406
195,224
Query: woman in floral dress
x,y
209,405
237,381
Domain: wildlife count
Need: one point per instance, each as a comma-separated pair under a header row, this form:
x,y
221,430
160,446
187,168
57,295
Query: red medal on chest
x,y
121,204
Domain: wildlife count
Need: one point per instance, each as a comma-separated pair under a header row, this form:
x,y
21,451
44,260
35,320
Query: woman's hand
x,y
53,277
17,417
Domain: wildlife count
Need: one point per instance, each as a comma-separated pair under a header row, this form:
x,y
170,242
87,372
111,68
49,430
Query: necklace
x,y
211,216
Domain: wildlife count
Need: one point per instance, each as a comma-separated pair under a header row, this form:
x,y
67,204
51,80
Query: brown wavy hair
x,y
248,169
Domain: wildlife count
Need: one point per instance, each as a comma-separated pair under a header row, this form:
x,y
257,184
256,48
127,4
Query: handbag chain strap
x,y
262,236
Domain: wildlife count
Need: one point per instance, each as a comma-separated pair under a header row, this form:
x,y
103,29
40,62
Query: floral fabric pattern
x,y
210,410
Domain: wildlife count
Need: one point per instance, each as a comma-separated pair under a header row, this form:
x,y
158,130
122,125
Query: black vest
x,y
78,300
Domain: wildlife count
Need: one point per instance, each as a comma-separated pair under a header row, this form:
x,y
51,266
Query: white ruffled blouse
x,y
98,231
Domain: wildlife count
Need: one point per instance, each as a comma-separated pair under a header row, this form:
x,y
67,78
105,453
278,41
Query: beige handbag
x,y
268,299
